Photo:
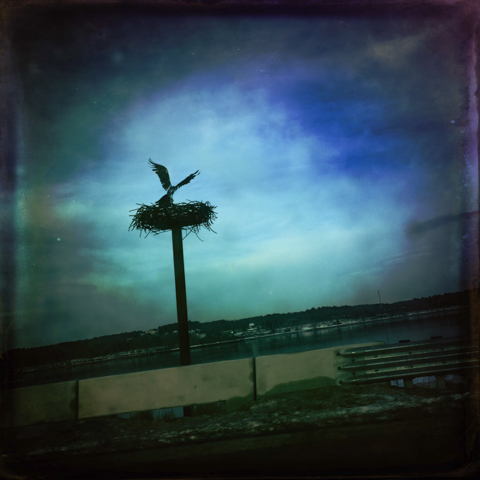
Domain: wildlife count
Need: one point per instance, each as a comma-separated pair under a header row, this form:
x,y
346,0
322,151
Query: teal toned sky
x,y
332,146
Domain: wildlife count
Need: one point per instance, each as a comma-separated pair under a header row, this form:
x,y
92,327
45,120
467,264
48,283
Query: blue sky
x,y
325,143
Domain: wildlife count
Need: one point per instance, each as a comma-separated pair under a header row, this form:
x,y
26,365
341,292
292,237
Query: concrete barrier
x,y
52,402
291,372
232,381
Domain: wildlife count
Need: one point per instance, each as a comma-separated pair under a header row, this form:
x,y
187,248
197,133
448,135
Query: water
x,y
385,331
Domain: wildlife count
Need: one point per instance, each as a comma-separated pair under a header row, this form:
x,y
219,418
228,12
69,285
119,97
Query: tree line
x,y
220,330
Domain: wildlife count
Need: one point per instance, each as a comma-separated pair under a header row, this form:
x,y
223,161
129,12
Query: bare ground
x,y
299,433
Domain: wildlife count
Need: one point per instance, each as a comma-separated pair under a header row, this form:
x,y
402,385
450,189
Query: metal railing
x,y
405,361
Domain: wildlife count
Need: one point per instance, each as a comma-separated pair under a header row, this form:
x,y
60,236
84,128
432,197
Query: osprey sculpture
x,y
164,177
164,215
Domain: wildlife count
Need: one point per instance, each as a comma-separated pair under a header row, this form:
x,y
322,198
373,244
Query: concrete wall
x,y
232,381
170,387
290,372
52,402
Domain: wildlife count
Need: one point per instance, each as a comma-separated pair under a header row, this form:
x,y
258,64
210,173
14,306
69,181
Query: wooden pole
x,y
180,289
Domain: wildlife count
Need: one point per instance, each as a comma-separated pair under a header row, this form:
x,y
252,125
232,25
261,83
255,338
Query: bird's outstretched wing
x,y
188,179
162,173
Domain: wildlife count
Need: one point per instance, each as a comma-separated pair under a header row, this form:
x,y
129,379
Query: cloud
x,y
285,212
406,256
324,146
418,228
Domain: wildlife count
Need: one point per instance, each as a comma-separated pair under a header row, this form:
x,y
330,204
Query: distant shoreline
x,y
301,329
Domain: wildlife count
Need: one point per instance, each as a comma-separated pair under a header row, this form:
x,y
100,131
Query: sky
x,y
338,151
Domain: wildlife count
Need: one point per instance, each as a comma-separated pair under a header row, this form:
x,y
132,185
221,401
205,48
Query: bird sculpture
x,y
164,177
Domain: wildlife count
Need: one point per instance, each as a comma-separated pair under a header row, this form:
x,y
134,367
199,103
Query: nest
x,y
160,218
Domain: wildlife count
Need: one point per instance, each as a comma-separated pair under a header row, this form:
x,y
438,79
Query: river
x,y
414,329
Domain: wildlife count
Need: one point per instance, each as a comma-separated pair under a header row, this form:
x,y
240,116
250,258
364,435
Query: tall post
x,y
180,289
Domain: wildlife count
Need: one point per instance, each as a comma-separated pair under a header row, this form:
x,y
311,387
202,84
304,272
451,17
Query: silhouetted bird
x,y
164,177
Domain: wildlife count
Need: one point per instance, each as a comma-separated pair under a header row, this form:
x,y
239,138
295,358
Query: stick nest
x,y
160,218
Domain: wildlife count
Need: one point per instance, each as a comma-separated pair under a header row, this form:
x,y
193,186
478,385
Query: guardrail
x,y
405,361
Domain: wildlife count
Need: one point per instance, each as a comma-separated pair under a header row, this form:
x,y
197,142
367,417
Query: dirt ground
x,y
277,421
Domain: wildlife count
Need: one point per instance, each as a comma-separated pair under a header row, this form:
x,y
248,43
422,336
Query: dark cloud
x,y
419,228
